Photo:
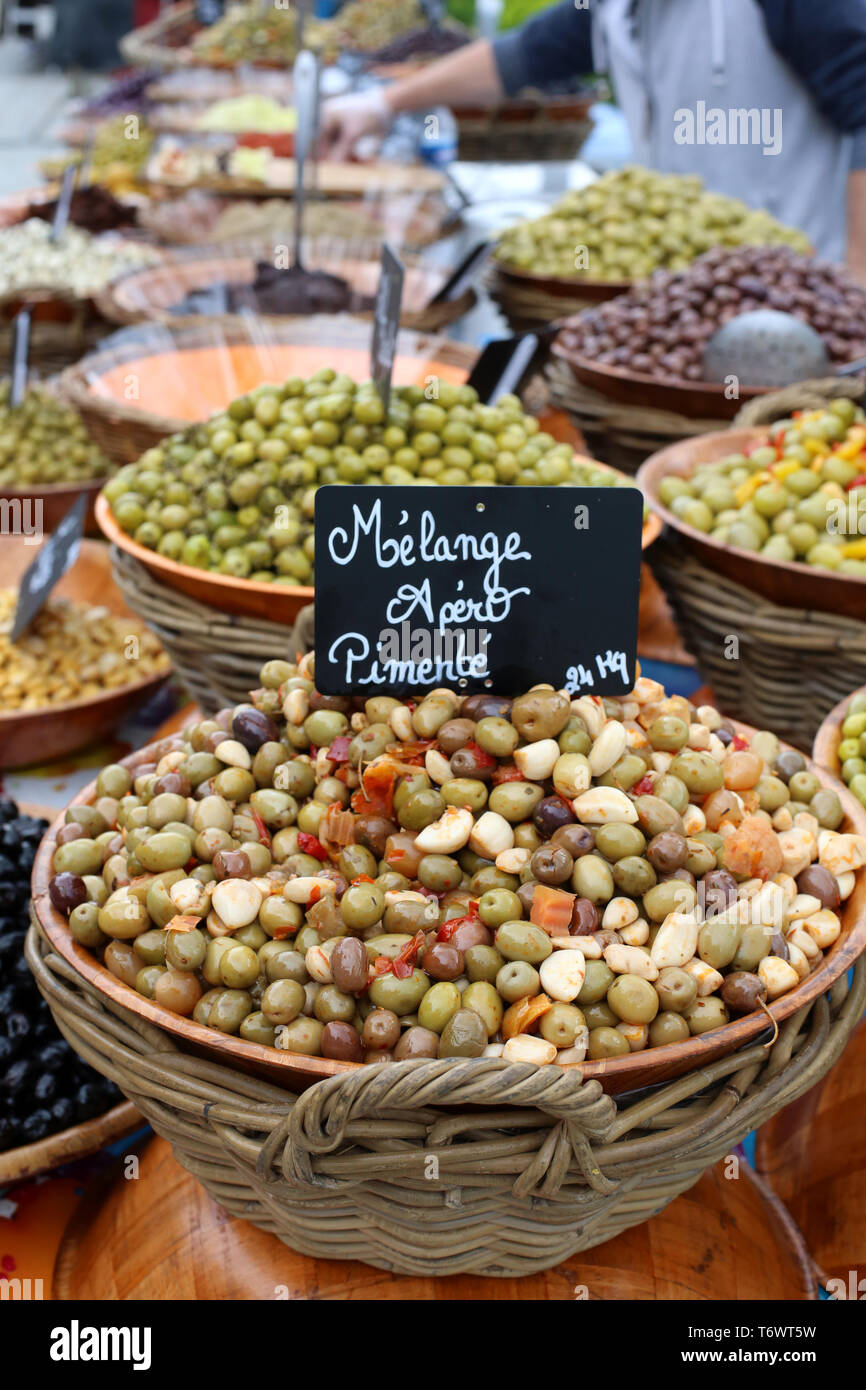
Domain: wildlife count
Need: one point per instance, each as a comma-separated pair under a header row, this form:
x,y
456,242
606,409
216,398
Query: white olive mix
x,y
390,906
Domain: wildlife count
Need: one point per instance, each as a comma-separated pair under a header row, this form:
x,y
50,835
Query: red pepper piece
x,y
859,481
362,878
264,837
315,895
482,759
447,930
339,749
375,796
643,787
507,772
404,963
738,744
312,845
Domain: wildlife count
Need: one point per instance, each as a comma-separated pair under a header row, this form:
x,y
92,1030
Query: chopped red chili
x,y
482,759
738,744
447,930
859,481
312,845
507,772
339,749
362,878
643,787
264,837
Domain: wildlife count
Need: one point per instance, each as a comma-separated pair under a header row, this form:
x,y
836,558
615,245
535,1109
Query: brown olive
x,y
540,714
454,734
584,917
341,1042
577,839
232,863
719,889
443,961
552,864
252,728
66,891
667,851
374,831
381,1030
417,1042
478,707
819,883
350,965
743,992
551,814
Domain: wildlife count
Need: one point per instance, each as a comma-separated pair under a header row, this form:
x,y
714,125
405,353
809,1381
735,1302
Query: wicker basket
x,y
164,42
788,667
217,655
62,329
530,303
448,1166
621,435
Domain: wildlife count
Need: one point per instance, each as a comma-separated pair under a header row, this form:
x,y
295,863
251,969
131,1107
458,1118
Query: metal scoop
x,y
768,348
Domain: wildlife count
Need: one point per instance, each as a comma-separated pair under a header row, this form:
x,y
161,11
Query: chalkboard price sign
x,y
52,561
477,588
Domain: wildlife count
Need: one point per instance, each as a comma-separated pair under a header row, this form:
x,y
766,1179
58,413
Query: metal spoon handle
x,y
305,82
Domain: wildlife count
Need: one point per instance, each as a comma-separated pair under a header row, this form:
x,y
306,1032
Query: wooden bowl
x,y
825,749
720,1240
78,1141
293,1071
813,1154
561,286
153,292
30,736
697,400
56,500
785,582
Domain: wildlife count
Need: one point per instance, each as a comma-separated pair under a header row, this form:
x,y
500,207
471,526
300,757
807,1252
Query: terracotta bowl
x,y
29,736
561,286
785,582
825,749
56,500
294,1071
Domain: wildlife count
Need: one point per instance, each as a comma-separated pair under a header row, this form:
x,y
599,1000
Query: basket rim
x,y
671,458
67,1145
651,1065
825,749
89,485
599,374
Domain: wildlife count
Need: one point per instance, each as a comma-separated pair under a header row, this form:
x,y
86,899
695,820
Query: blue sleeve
x,y
551,47
826,47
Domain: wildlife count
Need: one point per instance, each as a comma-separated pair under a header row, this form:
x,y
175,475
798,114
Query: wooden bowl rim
x,y
560,283
671,385
225,1046
671,460
168,569
825,749
91,485
56,1150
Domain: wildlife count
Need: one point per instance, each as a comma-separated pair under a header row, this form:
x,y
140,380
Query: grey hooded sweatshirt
x,y
765,99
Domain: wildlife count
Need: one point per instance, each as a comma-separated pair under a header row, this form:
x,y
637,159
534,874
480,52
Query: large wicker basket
x,y
448,1166
777,667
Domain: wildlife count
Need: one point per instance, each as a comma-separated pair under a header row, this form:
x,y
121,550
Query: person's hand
x,y
347,119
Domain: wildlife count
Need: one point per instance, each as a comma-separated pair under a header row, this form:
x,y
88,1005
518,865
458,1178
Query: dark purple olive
x,y
719,889
779,946
67,891
252,728
742,992
584,917
818,882
551,813
526,892
442,961
552,864
486,706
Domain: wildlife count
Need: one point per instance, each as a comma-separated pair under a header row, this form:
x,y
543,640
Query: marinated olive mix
x,y
800,496
852,747
542,878
237,494
632,221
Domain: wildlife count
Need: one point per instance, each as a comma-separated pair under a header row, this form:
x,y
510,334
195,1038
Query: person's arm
x,y
556,44
827,50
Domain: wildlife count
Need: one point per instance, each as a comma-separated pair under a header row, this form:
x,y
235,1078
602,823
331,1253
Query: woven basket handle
x,y
320,1117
